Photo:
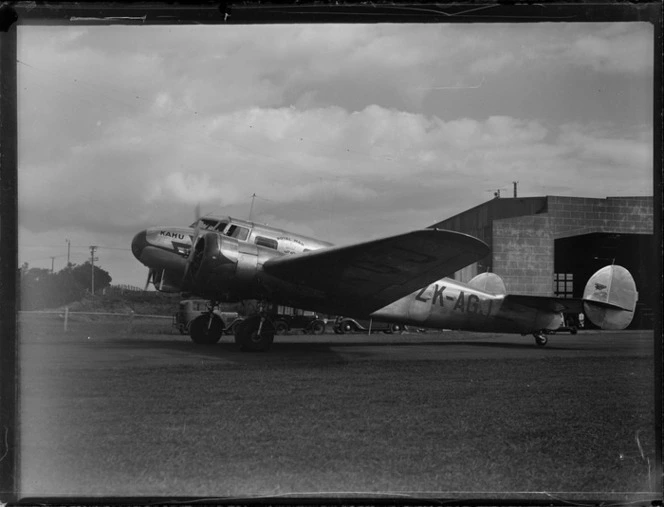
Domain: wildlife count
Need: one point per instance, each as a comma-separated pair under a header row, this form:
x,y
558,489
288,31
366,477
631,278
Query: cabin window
x,y
220,226
235,231
267,242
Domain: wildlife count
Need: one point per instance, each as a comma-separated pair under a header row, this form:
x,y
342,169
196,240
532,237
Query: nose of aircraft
x,y
139,242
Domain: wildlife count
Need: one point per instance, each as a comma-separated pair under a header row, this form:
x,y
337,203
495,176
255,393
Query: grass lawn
x,y
284,424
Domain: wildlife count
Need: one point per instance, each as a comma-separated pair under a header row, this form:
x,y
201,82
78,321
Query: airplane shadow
x,y
326,350
228,351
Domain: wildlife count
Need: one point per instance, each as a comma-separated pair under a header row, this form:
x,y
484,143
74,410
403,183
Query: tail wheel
x,y
541,339
206,329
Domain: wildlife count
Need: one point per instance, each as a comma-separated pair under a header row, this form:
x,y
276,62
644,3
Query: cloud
x,y
492,64
623,53
348,131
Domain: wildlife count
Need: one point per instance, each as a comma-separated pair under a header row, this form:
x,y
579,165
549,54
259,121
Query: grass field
x,y
117,415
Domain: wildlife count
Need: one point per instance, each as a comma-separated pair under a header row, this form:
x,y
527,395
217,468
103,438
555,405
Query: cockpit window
x,y
210,224
235,231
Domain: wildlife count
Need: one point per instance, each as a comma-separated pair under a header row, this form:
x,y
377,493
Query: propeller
x,y
192,252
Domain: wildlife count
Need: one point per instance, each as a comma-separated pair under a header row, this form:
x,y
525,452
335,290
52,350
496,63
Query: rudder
x,y
610,297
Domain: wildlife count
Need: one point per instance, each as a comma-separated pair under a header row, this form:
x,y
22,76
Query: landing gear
x,y
255,334
540,339
206,329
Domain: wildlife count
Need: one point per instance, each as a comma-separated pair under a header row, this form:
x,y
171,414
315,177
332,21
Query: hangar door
x,y
578,257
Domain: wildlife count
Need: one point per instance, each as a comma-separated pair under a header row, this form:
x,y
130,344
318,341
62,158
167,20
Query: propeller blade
x,y
197,229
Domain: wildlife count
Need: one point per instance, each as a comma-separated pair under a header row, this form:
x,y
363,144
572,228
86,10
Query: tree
x,y
82,273
39,288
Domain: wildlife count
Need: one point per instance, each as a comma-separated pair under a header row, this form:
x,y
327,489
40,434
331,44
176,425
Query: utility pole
x,y
515,183
68,250
52,263
92,262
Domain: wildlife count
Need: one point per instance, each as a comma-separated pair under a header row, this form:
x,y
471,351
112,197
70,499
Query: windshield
x,y
210,224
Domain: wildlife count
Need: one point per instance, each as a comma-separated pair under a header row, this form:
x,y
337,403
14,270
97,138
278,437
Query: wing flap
x,y
376,273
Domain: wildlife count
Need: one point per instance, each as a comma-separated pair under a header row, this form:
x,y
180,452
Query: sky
x,y
343,132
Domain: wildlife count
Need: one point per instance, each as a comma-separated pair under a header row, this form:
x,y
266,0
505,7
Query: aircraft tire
x,y
249,340
204,333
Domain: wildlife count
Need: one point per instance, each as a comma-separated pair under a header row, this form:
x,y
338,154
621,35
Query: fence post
x,y
131,323
66,317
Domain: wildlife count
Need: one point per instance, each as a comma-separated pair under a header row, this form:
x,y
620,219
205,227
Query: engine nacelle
x,y
223,268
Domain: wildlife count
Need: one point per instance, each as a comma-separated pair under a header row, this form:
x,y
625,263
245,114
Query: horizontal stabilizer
x,y
545,303
608,300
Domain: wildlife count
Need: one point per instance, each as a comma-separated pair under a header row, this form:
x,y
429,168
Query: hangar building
x,y
552,245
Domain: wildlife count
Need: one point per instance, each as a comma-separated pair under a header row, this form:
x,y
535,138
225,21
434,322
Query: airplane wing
x,y
371,275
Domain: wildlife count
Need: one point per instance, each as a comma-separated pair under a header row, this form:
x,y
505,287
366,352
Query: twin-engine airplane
x,y
396,279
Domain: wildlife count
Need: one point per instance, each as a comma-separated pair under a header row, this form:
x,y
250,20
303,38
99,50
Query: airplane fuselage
x,y
450,304
230,260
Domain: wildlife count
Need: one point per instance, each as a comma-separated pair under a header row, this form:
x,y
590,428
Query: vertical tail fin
x,y
488,282
610,297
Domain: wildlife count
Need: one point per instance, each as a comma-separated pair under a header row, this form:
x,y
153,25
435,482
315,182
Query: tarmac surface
x,y
90,396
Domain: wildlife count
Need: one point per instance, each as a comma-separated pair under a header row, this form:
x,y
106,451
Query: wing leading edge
x,y
373,274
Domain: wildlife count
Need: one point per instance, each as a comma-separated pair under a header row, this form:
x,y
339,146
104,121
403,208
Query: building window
x,y
564,283
268,242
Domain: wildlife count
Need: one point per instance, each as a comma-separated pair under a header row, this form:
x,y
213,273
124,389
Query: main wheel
x,y
206,329
318,327
248,338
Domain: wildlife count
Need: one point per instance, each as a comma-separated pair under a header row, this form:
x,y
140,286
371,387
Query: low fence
x,y
129,321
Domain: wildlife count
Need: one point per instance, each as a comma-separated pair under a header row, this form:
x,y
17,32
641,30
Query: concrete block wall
x,y
574,216
523,254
